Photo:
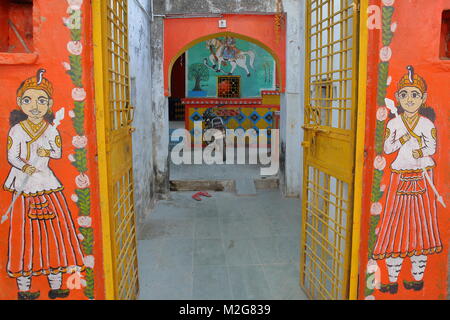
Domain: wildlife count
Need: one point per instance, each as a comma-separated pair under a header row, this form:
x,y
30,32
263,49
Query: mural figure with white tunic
x,y
409,223
42,237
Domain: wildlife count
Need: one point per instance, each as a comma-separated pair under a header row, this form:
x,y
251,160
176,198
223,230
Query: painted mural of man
x,y
409,224
230,51
42,237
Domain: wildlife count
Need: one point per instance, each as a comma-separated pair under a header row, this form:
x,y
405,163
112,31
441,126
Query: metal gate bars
x,y
114,116
329,147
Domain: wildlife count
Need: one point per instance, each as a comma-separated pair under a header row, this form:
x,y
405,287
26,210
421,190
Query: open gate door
x,y
114,118
332,28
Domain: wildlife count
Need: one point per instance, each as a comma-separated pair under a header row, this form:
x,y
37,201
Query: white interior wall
x,y
141,98
292,101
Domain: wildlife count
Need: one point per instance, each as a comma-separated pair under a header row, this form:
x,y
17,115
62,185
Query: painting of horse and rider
x,y
224,52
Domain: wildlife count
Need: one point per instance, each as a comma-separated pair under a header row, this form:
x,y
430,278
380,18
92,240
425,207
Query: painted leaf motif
x,y
80,160
374,220
383,70
84,201
387,34
379,137
78,120
89,290
88,241
75,71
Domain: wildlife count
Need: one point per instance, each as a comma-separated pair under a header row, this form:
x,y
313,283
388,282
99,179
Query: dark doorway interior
x,y
178,89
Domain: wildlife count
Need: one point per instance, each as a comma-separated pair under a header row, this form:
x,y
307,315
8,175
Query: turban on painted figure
x,y
411,79
37,82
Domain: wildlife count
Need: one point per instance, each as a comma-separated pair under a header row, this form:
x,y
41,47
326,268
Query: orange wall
x,y
52,41
416,42
180,34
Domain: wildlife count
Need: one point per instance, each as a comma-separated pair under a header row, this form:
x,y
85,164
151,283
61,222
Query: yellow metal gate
x,y
114,118
329,147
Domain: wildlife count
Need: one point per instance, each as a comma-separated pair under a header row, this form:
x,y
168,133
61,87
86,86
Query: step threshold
x,y
226,185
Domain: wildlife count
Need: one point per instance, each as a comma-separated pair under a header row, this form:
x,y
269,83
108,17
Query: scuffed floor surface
x,y
224,247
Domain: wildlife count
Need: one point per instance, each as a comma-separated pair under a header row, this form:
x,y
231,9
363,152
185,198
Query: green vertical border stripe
x,y
80,163
377,194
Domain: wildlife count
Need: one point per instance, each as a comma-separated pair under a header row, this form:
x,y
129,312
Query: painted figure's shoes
x,y
58,293
27,295
413,285
392,288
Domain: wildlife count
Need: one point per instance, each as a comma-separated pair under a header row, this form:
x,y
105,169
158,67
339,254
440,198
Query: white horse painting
x,y
218,59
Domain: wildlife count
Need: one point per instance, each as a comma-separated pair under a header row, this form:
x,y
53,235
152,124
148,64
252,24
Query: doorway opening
x,y
178,93
176,107
231,84
210,246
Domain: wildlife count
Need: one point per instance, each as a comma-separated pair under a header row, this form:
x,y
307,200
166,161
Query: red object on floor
x,y
196,196
206,194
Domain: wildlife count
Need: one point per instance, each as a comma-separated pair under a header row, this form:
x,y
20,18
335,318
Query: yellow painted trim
x,y
305,150
99,8
359,150
224,34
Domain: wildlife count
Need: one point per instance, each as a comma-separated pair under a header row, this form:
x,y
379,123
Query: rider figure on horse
x,y
230,50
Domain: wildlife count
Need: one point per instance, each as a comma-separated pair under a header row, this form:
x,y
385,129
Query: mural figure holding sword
x,y
42,237
409,226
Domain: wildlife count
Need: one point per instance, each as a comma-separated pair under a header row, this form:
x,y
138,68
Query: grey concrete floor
x,y
224,247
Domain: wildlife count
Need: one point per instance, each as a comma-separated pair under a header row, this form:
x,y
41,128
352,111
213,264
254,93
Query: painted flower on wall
x,y
89,261
75,47
388,3
67,66
382,114
379,163
85,221
78,94
82,181
72,114
71,158
74,197
376,209
75,4
394,27
79,141
370,298
385,54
